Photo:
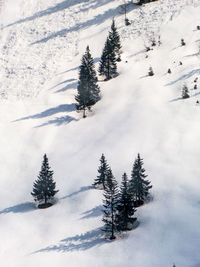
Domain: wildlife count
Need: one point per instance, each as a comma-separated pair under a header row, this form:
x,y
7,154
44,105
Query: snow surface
x,y
42,43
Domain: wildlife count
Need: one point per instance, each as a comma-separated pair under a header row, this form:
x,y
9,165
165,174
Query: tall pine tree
x,y
108,66
125,208
138,185
88,90
100,181
44,186
110,201
115,41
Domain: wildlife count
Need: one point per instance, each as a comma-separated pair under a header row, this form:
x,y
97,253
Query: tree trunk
x,y
84,115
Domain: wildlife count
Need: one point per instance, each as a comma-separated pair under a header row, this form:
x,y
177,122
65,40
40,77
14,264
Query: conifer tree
x,y
100,181
115,41
108,66
110,201
125,207
88,90
185,92
44,186
138,185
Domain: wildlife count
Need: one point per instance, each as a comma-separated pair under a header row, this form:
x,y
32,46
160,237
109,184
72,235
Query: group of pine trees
x,y
88,89
120,203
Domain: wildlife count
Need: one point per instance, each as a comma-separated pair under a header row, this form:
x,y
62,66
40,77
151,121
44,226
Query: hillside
x,y
42,43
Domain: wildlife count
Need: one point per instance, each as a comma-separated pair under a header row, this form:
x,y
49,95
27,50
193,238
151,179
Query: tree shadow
x,y
50,112
58,121
72,69
97,20
185,76
51,10
81,242
193,55
20,208
176,99
66,81
81,190
95,212
67,87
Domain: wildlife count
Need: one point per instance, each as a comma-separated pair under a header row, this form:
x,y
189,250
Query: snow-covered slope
x,y
41,46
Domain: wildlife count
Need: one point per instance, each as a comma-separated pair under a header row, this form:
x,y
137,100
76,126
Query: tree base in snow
x,y
44,205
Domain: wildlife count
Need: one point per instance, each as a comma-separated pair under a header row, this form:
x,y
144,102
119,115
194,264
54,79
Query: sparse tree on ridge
x,y
138,185
125,207
110,201
88,90
44,186
108,66
115,41
100,181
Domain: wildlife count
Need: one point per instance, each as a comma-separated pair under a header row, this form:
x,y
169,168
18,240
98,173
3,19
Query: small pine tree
x,y
110,201
88,90
138,185
108,66
44,186
125,207
185,92
183,42
115,41
100,181
151,73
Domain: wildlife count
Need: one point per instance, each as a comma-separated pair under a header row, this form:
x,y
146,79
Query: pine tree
x,y
110,206
88,90
185,92
125,207
44,186
108,66
138,185
115,41
100,181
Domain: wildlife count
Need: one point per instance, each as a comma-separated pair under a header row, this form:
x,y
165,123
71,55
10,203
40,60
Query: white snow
x,y
42,43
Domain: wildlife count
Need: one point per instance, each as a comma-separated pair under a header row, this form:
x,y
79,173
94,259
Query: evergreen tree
x,y
115,41
110,206
125,208
100,181
44,186
185,92
138,185
108,66
88,90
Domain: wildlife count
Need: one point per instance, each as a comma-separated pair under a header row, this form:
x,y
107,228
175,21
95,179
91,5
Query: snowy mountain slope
x,y
137,113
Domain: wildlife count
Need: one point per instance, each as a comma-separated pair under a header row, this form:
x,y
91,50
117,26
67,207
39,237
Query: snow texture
x,y
41,45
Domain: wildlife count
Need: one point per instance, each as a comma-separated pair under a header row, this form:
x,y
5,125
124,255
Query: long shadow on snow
x,y
51,10
96,60
79,242
82,189
20,208
81,26
180,98
67,87
66,81
50,112
58,121
185,76
59,7
95,212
